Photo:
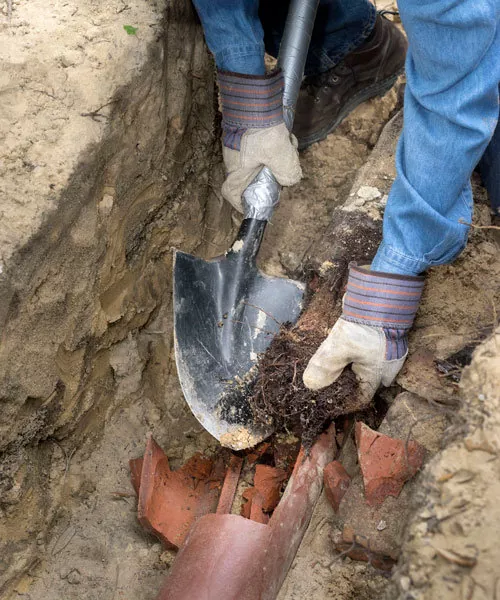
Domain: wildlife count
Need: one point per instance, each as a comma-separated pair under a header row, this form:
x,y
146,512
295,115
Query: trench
x,y
87,345
87,352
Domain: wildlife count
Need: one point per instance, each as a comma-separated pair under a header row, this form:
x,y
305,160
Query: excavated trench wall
x,y
81,286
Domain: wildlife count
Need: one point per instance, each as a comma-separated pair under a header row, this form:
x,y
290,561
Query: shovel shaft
x,y
293,52
262,195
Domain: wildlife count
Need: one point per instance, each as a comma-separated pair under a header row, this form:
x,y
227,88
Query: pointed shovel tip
x,y
241,438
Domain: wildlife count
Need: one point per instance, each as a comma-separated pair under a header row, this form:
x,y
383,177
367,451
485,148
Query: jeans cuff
x,y
389,260
236,53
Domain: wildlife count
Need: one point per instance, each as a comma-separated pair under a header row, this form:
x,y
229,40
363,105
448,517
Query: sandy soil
x,y
60,61
452,547
85,303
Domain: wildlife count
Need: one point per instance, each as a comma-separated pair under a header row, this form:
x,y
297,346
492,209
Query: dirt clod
x,y
281,399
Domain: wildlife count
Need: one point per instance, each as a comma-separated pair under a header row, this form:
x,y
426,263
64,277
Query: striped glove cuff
x,y
383,300
249,101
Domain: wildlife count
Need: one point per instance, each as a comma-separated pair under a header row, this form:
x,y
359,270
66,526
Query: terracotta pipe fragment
x,y
257,513
230,484
228,557
171,501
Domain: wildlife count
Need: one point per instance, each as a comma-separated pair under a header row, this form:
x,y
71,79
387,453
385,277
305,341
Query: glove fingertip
x,y
289,178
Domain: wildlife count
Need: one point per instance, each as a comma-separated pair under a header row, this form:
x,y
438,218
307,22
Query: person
x,y
451,111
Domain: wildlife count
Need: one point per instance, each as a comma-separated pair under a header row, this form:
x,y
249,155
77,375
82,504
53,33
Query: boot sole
x,y
375,89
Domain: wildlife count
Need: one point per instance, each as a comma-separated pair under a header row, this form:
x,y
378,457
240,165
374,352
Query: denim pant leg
x,y
489,168
340,27
234,34
450,115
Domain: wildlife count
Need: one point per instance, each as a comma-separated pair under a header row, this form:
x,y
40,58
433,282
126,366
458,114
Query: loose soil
x,y
281,399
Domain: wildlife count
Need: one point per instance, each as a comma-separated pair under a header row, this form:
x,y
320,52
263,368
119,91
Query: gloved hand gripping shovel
x,y
226,311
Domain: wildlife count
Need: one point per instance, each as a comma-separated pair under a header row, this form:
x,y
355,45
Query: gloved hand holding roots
x,y
378,310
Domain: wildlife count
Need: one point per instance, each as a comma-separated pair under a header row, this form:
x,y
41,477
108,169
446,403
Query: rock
x,y
336,481
405,582
386,463
382,525
74,577
415,416
367,193
420,376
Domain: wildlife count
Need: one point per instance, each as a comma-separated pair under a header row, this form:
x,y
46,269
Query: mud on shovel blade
x,y
226,312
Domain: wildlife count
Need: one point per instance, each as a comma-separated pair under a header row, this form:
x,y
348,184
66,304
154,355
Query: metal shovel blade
x,y
226,313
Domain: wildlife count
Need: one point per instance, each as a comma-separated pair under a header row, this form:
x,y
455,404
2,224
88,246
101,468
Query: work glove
x,y
254,134
378,310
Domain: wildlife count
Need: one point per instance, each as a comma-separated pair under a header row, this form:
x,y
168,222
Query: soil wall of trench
x,y
86,237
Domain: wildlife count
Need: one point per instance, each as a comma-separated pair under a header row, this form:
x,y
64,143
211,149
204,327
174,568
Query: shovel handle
x,y
293,52
262,196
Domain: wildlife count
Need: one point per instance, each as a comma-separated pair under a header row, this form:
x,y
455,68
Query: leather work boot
x,y
370,70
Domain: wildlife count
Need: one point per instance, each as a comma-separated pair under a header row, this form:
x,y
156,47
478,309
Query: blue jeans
x,y
239,31
451,112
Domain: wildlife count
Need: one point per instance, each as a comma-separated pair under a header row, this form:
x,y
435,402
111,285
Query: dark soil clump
x,y
280,398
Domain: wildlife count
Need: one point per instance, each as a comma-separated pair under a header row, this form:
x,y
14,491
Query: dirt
x,y
61,65
88,221
280,398
452,544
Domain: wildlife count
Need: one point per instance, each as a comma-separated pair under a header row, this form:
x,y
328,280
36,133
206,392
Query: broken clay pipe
x,y
171,501
228,557
230,485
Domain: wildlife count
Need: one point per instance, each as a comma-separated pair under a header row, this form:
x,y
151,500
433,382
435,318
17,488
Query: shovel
x,y
226,311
